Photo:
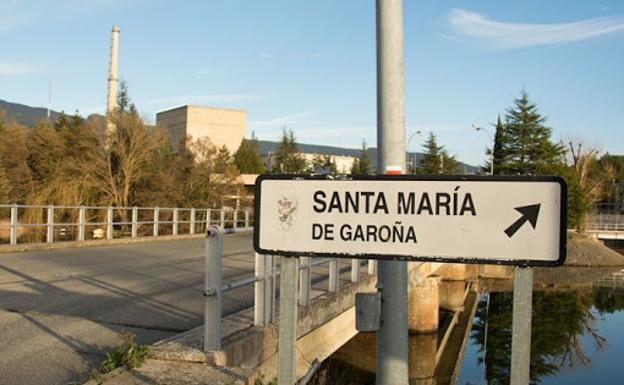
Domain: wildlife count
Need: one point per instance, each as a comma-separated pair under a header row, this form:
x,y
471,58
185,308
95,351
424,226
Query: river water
x,y
577,336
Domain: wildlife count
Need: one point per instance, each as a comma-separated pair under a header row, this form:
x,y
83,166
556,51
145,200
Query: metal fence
x,y
605,217
20,224
266,273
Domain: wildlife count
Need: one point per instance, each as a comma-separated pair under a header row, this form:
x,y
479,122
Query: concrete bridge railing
x,y
49,223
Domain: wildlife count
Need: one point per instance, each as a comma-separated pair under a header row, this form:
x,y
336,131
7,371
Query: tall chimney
x,y
113,79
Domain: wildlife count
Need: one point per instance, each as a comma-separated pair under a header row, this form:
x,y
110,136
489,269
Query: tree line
x,y
73,161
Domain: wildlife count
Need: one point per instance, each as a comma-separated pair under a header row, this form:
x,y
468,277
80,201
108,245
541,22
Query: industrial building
x,y
223,126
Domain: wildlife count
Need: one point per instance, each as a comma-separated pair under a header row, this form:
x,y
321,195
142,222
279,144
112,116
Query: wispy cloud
x,y
283,121
9,69
313,55
264,56
203,71
506,35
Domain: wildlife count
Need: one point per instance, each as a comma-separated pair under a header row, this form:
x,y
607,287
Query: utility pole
x,y
392,336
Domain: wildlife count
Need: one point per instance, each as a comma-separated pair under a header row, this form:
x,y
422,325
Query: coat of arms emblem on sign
x,y
286,208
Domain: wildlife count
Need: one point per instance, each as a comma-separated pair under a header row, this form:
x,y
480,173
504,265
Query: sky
x,y
310,65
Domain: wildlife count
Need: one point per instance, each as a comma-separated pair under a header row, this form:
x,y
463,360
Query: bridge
x,y
606,222
74,302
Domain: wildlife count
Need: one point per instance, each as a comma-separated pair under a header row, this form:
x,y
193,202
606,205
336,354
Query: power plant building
x,y
222,126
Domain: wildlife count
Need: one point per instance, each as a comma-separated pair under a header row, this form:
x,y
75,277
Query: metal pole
x,y
222,219
192,225
521,326
305,281
50,228
372,265
392,336
109,223
355,270
81,223
174,229
212,289
156,221
260,290
334,272
286,354
271,287
135,220
14,224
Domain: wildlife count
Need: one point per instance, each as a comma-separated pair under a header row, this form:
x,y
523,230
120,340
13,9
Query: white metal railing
x,y
605,221
266,272
50,223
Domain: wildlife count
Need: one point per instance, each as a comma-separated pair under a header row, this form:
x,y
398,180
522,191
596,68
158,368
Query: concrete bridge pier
x,y
423,350
424,303
452,295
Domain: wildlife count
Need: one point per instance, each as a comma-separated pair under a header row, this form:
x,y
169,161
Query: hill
x,y
25,115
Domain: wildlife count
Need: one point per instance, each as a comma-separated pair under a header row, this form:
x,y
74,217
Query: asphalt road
x,y
62,310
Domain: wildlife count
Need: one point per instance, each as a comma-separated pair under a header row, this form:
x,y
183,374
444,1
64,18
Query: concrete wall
x,y
222,126
174,121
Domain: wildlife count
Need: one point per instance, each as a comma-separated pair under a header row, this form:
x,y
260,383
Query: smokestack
x,y
113,79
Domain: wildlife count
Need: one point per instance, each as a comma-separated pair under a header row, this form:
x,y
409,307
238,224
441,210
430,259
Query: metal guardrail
x,y
50,223
266,272
605,221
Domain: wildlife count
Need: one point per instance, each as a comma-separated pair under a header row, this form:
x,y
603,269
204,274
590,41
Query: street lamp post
x,y
479,128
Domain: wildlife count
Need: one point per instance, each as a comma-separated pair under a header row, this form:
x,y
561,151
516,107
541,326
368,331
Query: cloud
x,y
283,121
504,35
9,69
264,56
203,71
309,55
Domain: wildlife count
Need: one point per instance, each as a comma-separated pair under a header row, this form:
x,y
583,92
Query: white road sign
x,y
507,220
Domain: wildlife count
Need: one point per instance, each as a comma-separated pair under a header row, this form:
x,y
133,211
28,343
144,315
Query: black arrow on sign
x,y
529,213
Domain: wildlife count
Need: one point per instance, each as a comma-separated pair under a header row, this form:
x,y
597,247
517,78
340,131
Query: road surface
x,y
62,310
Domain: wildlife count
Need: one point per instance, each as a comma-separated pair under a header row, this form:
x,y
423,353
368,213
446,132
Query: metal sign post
x,y
521,327
392,336
286,349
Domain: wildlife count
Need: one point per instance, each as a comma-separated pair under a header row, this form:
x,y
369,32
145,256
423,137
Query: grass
x,y
127,354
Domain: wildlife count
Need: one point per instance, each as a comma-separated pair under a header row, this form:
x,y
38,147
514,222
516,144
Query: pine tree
x,y
247,158
450,165
323,163
355,167
526,145
223,160
499,156
431,162
287,156
364,163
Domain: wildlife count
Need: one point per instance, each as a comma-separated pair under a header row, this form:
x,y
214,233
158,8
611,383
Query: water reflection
x,y
576,334
564,322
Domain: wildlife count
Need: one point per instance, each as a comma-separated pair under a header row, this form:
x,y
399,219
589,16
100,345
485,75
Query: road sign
x,y
469,219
